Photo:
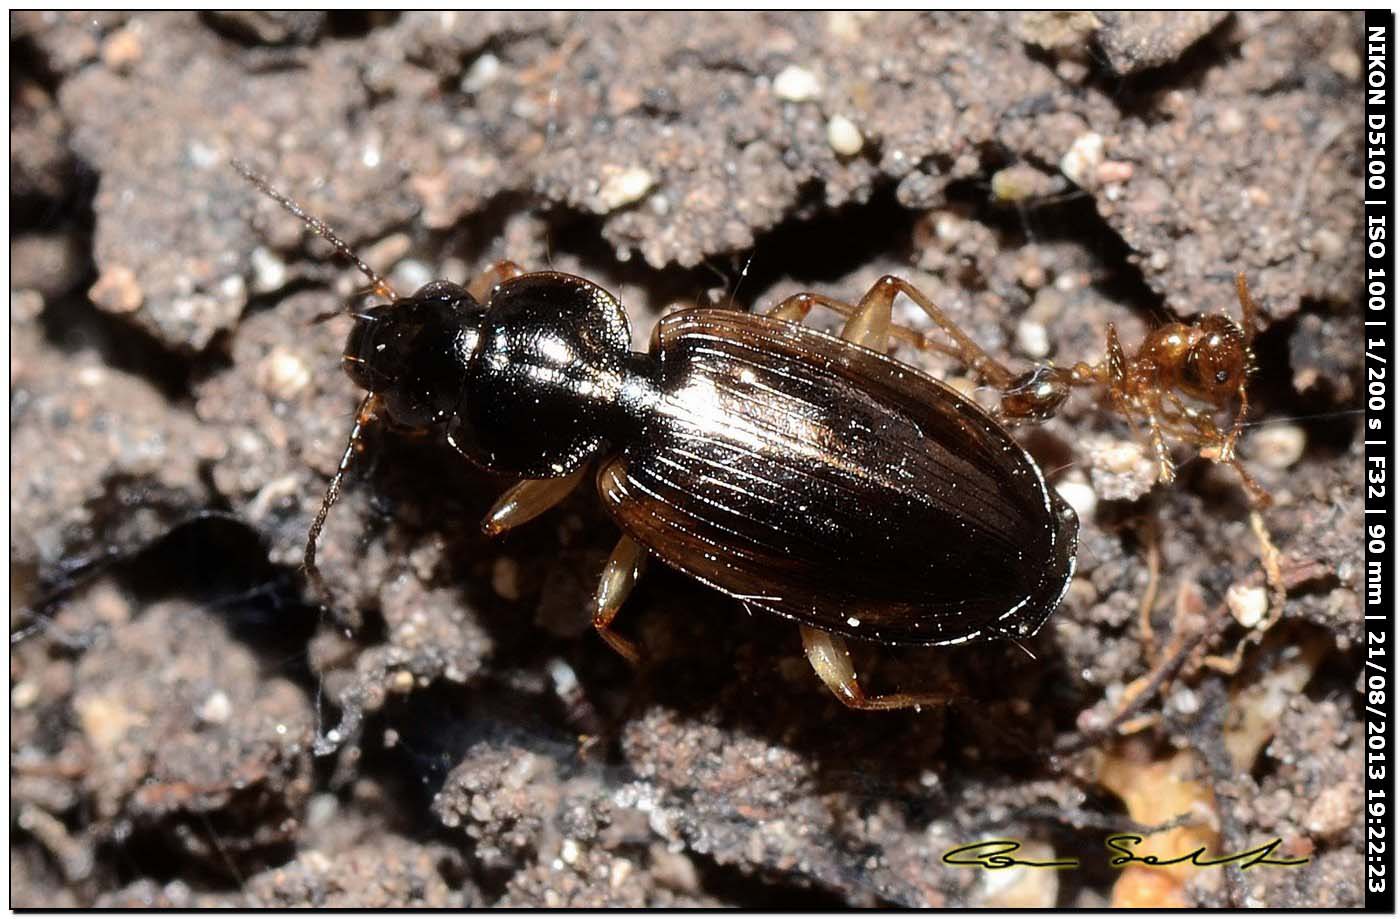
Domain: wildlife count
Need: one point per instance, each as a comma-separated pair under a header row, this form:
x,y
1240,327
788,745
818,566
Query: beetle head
x,y
414,352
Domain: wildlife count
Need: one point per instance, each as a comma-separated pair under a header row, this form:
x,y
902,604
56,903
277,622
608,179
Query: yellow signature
x,y
995,854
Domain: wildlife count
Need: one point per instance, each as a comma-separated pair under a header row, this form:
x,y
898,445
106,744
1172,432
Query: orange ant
x,y
1183,375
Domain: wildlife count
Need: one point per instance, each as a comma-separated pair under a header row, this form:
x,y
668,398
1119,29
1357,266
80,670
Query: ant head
x,y
1216,360
414,352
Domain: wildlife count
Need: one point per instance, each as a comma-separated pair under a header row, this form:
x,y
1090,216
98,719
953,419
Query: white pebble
x,y
269,271
216,709
1277,446
796,84
482,73
843,135
1247,604
1081,162
1032,339
1079,495
1121,470
411,274
282,374
625,187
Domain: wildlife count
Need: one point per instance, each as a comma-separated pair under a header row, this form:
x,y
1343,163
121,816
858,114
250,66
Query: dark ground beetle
x,y
806,475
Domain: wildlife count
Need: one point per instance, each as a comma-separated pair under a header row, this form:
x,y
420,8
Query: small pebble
x,y
624,187
1032,339
25,305
216,709
25,694
482,73
796,84
1346,63
1327,244
845,138
1058,30
401,681
1021,182
1230,122
1079,495
1081,162
1277,446
412,274
619,872
1112,171
282,374
1121,470
1020,886
269,271
117,291
121,49
1247,604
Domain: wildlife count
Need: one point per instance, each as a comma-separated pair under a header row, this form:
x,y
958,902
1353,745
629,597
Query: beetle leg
x,y
870,325
831,660
526,500
796,308
620,575
979,361
492,275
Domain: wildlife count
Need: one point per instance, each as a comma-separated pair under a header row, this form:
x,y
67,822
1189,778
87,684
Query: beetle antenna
x,y
317,226
308,564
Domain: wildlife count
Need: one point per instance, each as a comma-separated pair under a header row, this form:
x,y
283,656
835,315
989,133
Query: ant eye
x,y
1221,376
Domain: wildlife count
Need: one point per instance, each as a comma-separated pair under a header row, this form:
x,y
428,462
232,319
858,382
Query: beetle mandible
x,y
808,476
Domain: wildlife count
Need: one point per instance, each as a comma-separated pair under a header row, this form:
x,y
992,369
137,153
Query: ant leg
x,y
363,415
1227,450
1218,447
492,275
620,575
831,660
1166,472
524,501
1257,493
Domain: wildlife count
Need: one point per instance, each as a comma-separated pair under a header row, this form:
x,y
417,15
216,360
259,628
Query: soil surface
x,y
189,727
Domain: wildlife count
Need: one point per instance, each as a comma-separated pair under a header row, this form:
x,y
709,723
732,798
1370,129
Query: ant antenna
x,y
317,226
1247,307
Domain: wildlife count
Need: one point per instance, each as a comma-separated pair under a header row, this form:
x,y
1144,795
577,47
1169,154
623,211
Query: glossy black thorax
x,y
532,383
